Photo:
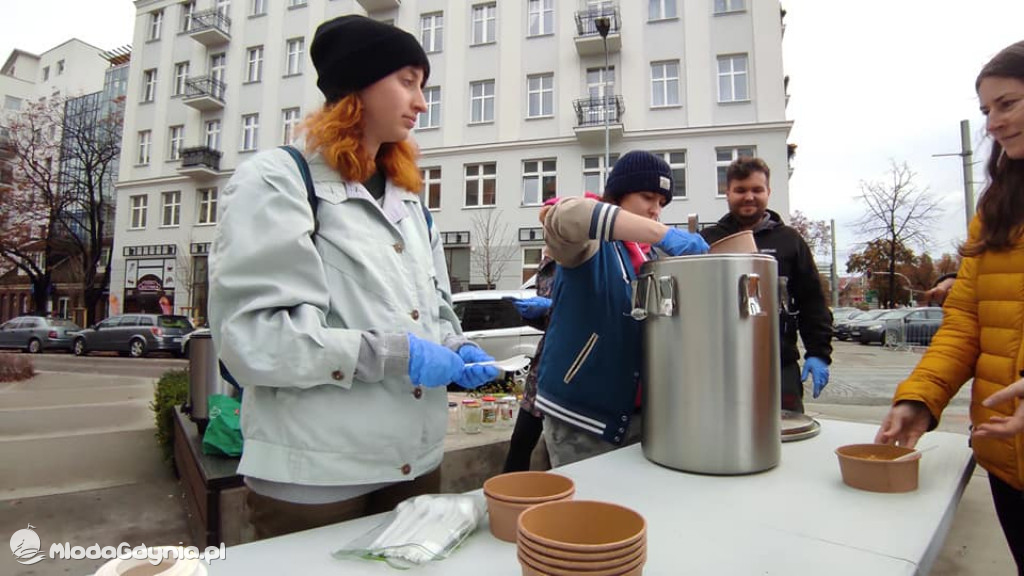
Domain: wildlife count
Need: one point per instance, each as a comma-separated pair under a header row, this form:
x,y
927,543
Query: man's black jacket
x,y
808,313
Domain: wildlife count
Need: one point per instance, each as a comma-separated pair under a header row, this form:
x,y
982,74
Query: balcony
x,y
378,5
200,162
204,93
210,28
590,115
588,39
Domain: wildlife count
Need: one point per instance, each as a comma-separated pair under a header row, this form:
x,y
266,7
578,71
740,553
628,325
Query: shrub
x,y
171,391
15,367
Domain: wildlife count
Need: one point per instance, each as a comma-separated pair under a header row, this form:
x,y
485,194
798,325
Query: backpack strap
x,y
307,178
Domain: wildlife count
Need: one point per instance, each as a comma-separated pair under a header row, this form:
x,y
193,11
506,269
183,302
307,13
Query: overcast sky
x,y
870,81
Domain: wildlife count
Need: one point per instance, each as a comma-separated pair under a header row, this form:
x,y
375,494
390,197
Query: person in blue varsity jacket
x,y
589,375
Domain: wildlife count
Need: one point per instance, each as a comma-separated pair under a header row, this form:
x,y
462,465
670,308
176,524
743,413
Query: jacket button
x,y
406,470
417,392
415,314
624,418
399,247
338,375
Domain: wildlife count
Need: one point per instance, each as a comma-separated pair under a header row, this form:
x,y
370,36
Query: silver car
x,y
34,334
491,321
134,335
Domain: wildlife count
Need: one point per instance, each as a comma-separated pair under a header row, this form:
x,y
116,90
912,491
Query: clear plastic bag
x,y
419,530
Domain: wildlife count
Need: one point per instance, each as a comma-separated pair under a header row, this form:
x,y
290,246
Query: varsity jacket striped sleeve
x,y
575,227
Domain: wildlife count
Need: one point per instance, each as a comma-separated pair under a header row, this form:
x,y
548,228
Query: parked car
x,y
904,325
921,325
134,335
844,330
34,334
840,315
188,337
491,321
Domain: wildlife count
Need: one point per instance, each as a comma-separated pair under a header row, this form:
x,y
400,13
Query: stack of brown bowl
x,y
582,537
508,495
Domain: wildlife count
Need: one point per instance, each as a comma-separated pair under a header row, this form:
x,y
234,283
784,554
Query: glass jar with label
x,y
489,411
472,415
453,418
507,412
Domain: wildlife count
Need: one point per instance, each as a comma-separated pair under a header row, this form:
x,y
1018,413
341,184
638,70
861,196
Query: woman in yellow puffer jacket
x,y
982,334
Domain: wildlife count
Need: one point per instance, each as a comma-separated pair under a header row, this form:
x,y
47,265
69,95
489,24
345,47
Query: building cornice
x,y
165,180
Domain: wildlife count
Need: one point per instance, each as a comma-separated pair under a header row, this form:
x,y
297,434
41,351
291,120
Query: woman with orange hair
x,y
334,314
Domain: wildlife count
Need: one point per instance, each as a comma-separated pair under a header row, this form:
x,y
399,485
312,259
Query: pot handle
x,y
641,296
666,296
750,296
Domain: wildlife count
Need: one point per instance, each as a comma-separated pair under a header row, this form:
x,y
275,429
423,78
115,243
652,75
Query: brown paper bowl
x,y
582,525
583,564
532,568
508,495
738,243
870,467
524,541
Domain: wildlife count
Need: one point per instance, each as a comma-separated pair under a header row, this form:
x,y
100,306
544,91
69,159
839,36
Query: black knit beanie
x,y
639,171
352,52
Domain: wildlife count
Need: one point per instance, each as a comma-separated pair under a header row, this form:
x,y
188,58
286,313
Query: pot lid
x,y
796,423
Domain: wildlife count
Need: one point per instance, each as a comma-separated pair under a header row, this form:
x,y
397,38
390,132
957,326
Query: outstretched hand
x,y
1003,426
904,425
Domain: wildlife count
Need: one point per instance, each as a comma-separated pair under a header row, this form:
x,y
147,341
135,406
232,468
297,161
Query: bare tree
x,y
493,250
816,233
898,214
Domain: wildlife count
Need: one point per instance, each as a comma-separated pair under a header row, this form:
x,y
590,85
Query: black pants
x,y
1010,509
525,436
792,388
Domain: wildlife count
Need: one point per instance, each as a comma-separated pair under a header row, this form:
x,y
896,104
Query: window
x,y
432,31
661,9
594,173
250,131
254,64
139,205
542,17
483,23
540,95
149,85
531,261
46,73
213,134
296,3
600,81
156,20
188,9
664,83
218,64
224,7
676,160
724,6
145,139
60,67
176,141
431,118
539,181
12,103
207,212
732,78
481,184
726,156
481,100
289,122
171,208
431,193
258,8
295,47
180,75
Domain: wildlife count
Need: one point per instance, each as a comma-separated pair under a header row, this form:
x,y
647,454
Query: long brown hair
x,y
336,131
1001,208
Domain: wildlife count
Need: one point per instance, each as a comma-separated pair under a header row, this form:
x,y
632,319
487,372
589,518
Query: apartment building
x,y
521,98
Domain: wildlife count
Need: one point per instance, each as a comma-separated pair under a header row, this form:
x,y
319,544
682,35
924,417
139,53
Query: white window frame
x,y
188,9
733,78
139,204
60,67
597,170
431,117
149,85
665,85
145,139
722,166
206,206
484,23
538,173
212,131
676,160
660,9
432,32
175,142
258,8
540,17
180,75
224,7
170,211
481,93
156,24
540,87
729,6
479,175
290,119
294,49
296,3
530,266
250,132
431,193
254,64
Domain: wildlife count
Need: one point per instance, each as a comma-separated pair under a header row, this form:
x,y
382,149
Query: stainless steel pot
x,y
711,380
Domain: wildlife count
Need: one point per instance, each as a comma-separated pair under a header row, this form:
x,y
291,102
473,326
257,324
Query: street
x,y
109,363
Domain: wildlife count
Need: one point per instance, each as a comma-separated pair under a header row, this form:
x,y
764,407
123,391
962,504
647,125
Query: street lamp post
x,y
604,25
967,157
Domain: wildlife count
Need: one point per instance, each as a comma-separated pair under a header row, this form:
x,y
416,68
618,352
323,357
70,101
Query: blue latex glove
x,y
431,364
475,376
679,243
532,308
818,369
